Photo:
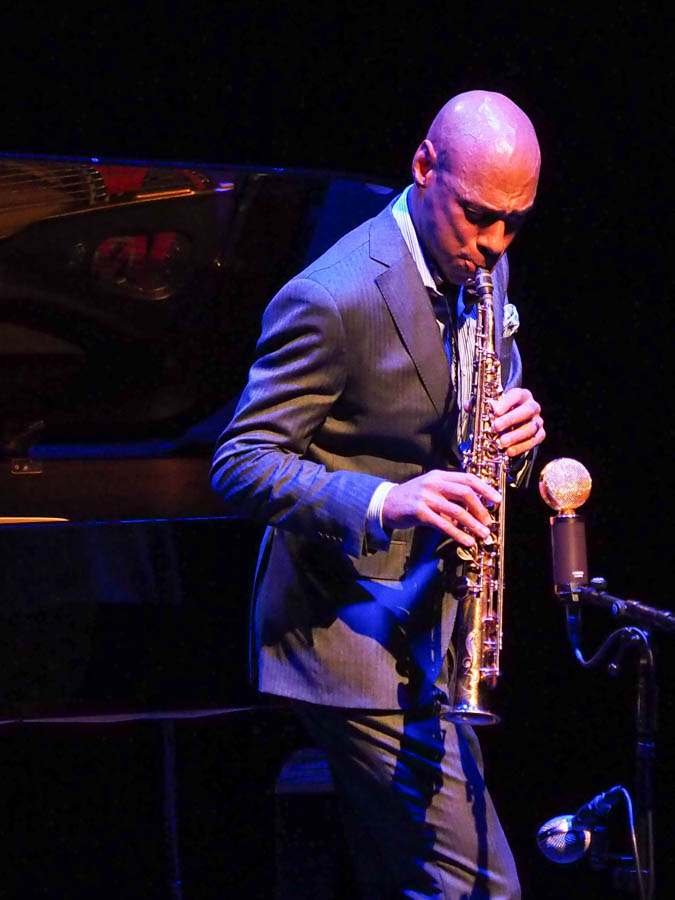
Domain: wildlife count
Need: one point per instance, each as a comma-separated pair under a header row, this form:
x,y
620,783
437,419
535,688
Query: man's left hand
x,y
518,421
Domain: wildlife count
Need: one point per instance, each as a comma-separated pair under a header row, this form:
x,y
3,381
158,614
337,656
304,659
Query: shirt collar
x,y
436,287
404,221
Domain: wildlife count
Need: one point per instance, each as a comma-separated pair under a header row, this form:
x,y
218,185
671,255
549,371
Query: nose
x,y
492,242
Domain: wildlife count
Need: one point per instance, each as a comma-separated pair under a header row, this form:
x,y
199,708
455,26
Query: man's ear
x,y
424,162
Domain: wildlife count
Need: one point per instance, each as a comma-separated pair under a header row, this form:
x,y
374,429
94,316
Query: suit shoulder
x,y
350,264
351,249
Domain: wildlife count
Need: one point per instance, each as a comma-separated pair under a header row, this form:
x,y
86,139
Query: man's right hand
x,y
452,502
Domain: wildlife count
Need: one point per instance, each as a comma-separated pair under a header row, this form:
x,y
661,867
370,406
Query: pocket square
x,y
511,320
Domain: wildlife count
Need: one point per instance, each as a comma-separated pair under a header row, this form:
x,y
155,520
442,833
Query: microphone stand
x,y
596,595
645,712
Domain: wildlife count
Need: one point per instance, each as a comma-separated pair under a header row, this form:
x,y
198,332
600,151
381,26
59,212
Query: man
x,y
344,442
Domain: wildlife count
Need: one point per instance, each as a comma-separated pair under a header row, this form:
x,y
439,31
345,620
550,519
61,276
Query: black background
x,y
353,87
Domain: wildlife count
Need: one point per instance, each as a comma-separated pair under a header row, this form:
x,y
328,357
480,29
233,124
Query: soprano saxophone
x,y
479,627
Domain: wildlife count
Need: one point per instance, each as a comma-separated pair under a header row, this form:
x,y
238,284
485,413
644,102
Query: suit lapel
x,y
500,279
409,305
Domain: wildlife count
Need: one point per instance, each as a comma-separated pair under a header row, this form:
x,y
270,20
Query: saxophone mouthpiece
x,y
480,283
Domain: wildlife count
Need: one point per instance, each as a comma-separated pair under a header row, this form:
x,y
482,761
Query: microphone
x,y
564,484
561,841
565,839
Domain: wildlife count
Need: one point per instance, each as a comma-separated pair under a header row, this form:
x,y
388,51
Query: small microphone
x,y
565,839
561,841
564,484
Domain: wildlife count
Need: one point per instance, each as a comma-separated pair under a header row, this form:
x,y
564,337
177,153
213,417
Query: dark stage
x,y
352,88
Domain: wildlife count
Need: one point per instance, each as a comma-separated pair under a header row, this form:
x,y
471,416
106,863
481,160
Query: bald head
x,y
486,130
475,178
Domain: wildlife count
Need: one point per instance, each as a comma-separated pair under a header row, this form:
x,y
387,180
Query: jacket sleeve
x,y
259,467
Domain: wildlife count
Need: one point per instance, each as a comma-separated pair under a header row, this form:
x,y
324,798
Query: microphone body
x,y
590,813
568,549
564,484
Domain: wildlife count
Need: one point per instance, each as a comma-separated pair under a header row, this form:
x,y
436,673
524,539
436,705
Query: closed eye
x,y
484,217
480,216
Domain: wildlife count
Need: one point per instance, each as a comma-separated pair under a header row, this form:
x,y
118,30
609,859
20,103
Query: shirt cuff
x,y
376,536
521,468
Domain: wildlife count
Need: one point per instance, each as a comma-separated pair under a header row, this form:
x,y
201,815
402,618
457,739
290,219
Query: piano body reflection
x,y
130,302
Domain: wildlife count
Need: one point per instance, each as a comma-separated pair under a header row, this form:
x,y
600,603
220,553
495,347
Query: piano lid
x,y
130,303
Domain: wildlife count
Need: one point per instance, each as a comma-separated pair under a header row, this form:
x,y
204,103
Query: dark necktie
x,y
444,305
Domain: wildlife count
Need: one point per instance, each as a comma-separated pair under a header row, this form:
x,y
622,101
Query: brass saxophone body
x,y
479,624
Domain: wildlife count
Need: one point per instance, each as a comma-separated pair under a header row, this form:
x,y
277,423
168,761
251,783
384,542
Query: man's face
x,y
469,216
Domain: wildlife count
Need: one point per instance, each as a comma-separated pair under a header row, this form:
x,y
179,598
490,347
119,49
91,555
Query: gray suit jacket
x,y
351,386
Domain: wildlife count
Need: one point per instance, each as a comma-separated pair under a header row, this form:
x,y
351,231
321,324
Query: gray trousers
x,y
416,812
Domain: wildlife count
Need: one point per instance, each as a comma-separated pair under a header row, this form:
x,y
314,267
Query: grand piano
x,y
130,302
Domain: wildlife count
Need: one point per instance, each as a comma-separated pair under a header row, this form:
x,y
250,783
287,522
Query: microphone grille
x,y
561,842
564,484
